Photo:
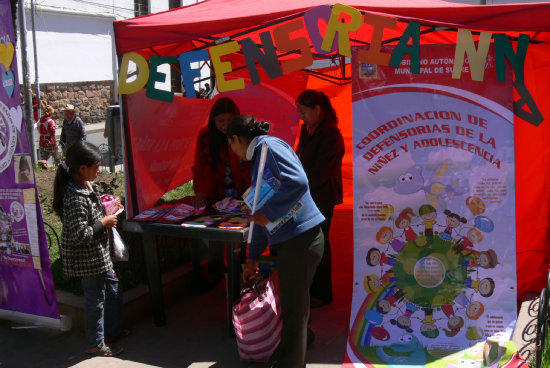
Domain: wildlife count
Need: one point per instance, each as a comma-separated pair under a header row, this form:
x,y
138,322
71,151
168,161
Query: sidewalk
x,y
195,335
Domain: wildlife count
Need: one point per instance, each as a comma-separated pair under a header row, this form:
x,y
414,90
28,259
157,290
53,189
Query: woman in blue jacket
x,y
298,241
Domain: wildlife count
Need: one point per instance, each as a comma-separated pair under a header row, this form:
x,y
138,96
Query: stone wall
x,y
90,99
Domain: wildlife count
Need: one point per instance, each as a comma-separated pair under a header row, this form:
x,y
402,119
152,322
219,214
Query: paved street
x,y
94,134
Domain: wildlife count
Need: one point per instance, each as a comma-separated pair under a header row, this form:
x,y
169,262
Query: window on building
x,y
141,7
174,4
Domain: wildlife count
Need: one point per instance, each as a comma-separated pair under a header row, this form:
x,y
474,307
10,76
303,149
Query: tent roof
x,y
216,17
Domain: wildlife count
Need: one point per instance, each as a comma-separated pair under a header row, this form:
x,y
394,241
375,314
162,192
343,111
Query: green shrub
x,y
132,273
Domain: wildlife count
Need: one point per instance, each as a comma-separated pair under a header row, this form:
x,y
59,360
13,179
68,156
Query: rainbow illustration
x,y
360,333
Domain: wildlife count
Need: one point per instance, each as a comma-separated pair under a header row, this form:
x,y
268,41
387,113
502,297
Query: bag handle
x,y
257,288
253,285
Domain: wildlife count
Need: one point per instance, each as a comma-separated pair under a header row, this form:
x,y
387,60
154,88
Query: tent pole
x,y
27,93
35,63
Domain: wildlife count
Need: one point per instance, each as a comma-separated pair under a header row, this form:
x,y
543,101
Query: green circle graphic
x,y
430,272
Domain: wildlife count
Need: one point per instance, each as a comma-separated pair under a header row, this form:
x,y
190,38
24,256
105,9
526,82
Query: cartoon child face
x,y
376,282
484,259
430,216
452,221
374,257
485,287
425,327
473,310
403,223
404,322
386,236
474,236
372,283
455,322
384,306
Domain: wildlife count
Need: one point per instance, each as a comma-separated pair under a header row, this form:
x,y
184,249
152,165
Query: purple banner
x,y
26,282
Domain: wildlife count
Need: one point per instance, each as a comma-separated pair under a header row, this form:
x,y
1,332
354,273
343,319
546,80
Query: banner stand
x,y
64,323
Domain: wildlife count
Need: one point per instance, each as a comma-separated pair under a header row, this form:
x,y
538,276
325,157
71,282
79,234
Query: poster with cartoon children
x,y
434,215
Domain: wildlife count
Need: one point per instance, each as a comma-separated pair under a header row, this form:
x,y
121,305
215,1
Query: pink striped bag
x,y
258,322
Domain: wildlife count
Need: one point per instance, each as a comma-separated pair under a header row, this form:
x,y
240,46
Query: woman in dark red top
x,y
321,149
218,172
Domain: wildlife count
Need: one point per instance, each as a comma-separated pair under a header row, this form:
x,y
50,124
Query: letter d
x,y
125,87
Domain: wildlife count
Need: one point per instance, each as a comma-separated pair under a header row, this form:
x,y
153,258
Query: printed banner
x,y
27,290
159,131
434,215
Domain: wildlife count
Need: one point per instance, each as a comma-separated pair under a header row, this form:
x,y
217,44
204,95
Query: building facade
x,y
74,59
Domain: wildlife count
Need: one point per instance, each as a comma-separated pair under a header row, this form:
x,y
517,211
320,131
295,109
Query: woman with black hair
x,y
321,150
297,240
217,173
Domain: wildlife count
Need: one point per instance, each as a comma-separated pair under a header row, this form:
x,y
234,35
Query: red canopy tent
x,y
207,23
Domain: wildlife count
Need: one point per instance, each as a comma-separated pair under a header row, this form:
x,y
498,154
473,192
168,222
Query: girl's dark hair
x,y
311,98
455,216
369,253
216,139
247,127
23,163
78,154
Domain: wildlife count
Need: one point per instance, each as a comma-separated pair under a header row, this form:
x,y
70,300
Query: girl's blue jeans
x,y
103,307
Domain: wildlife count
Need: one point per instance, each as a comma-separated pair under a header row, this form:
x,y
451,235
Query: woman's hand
x,y
259,218
250,270
199,200
109,221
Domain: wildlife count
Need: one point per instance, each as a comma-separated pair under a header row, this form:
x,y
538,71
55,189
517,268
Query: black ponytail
x,y
247,127
78,154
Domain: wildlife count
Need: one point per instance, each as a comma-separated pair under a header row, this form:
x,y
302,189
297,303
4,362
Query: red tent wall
x,y
176,31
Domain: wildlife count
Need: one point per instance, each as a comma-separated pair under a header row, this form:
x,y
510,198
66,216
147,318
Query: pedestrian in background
x,y
85,248
48,146
73,129
321,150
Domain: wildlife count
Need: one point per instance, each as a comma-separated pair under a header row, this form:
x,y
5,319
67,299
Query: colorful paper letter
x,y
188,73
268,60
223,67
311,19
504,48
533,115
465,46
373,55
412,31
281,34
125,87
336,26
156,76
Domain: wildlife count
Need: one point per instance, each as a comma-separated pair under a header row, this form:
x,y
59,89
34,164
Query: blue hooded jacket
x,y
285,166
